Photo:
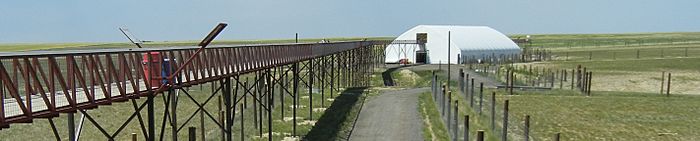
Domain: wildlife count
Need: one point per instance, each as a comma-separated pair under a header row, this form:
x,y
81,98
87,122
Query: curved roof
x,y
467,41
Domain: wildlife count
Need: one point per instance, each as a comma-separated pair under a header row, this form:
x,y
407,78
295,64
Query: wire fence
x,y
488,108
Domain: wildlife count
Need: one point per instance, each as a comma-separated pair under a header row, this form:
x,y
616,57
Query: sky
x,y
37,21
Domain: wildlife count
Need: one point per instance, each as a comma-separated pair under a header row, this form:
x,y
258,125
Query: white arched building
x,y
471,42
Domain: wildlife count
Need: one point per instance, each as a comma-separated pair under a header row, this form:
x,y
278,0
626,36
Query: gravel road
x,y
390,116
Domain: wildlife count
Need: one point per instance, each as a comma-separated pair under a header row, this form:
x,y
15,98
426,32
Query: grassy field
x,y
603,40
626,104
609,115
631,67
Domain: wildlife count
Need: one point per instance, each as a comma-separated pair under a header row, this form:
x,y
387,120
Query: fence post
x,y
527,127
481,96
466,86
466,127
504,136
455,128
480,135
461,80
663,78
573,73
442,99
512,83
449,106
432,83
552,79
561,79
556,136
590,78
192,133
668,87
507,76
493,110
471,95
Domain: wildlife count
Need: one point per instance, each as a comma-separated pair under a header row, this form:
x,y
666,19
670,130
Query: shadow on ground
x,y
386,75
329,125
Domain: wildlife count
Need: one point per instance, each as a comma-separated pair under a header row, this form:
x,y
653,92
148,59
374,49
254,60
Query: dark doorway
x,y
421,57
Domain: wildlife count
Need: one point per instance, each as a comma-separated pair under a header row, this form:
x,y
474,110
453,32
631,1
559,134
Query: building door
x,y
421,57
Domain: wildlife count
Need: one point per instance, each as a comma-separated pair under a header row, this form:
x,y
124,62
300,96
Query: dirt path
x,y
454,71
391,116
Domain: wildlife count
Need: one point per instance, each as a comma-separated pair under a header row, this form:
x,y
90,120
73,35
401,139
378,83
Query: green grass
x,y
641,65
609,115
40,46
635,67
477,121
433,128
625,104
598,40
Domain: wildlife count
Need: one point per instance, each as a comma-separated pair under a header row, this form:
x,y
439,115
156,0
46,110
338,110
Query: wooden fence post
x,y
504,136
466,86
512,83
481,96
449,107
561,79
573,72
455,128
668,86
480,135
552,79
527,128
466,127
663,78
493,110
471,94
442,99
590,78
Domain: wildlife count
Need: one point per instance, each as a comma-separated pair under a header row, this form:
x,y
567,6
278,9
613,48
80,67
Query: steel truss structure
x,y
42,84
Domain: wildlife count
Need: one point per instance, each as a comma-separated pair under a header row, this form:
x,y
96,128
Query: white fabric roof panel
x,y
468,41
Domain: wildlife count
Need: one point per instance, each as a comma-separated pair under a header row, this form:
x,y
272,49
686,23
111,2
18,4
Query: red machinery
x,y
153,68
